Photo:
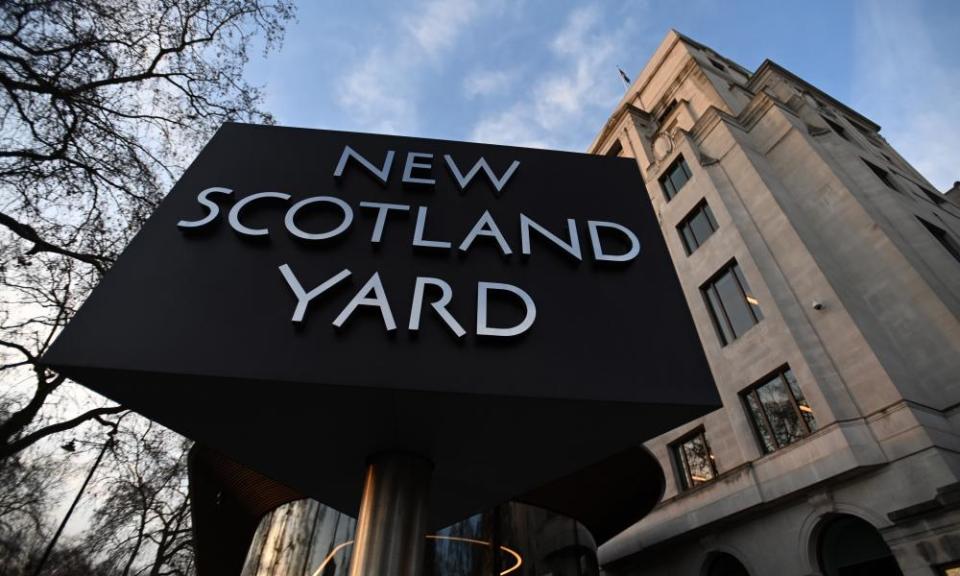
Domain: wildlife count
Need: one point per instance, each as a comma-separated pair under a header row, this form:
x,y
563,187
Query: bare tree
x,y
101,103
142,525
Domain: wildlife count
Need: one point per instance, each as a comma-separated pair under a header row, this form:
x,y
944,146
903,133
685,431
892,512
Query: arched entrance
x,y
850,546
723,564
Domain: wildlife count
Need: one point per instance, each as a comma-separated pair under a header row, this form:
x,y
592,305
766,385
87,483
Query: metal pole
x,y
392,524
63,524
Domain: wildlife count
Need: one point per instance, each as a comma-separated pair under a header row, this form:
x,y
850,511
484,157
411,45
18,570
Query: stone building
x,y
823,273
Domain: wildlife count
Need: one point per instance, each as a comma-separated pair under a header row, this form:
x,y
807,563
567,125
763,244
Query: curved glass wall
x,y
306,538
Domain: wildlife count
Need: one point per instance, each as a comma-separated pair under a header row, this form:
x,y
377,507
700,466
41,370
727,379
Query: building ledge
x,y
948,497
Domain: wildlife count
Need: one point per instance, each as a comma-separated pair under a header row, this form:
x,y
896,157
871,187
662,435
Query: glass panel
x,y
689,240
668,189
716,310
805,409
308,538
709,213
781,413
701,227
698,460
683,471
751,299
679,176
756,414
737,309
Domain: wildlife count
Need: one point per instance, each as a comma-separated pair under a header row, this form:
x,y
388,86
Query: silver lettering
x,y
381,173
440,305
234,216
213,209
362,299
483,329
304,297
598,252
464,181
292,227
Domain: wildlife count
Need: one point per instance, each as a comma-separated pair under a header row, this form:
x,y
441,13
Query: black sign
x,y
304,298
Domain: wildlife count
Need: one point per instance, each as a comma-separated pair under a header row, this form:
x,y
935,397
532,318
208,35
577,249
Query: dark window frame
x,y
837,128
937,198
885,176
684,475
943,237
616,149
762,426
719,314
702,207
667,110
942,569
668,182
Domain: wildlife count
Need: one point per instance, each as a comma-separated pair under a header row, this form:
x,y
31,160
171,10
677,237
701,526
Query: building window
x,y
717,65
778,410
837,128
949,243
694,461
675,176
883,175
950,569
616,149
696,227
732,305
667,110
934,197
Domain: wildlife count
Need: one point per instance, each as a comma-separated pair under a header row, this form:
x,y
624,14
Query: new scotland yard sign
x,y
304,298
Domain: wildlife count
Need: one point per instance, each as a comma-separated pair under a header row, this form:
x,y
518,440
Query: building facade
x,y
823,274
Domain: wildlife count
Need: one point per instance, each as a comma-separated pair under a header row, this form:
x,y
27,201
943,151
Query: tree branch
x,y
27,232
11,448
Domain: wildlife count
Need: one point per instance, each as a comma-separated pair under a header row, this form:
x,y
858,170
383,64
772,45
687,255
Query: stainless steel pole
x,y
392,524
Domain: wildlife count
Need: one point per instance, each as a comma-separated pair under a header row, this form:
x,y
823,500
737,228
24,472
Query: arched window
x,y
850,546
723,564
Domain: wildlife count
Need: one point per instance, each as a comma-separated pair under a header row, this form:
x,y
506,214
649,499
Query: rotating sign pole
x,y
392,523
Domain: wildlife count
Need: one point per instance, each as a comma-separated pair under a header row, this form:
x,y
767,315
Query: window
x,y
883,175
732,306
778,410
934,197
616,149
951,569
837,128
696,227
717,65
667,110
694,462
949,243
675,177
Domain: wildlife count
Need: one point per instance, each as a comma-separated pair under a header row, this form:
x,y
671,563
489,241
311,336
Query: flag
x,y
623,75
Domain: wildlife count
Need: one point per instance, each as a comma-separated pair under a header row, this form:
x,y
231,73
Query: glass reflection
x,y
306,538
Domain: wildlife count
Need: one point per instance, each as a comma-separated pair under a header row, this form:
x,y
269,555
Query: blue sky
x,y
543,72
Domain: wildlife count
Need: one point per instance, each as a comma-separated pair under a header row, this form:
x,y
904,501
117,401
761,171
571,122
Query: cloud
x,y
556,112
487,82
377,94
904,84
437,24
381,90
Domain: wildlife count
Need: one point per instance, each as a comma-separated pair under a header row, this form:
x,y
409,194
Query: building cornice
x,y
610,127
769,66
